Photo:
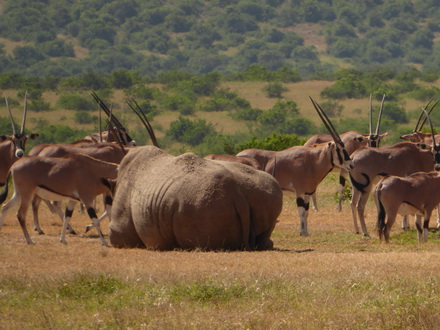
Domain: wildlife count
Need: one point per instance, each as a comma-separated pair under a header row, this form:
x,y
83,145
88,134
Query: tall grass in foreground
x,y
333,279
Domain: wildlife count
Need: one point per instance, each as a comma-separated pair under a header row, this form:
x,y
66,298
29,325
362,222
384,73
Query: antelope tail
x,y
381,218
4,193
360,186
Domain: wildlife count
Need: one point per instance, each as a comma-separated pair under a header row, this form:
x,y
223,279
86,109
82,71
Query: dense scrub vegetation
x,y
65,38
188,96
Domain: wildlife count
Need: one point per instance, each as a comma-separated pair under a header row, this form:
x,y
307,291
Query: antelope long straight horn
x,y
104,107
432,129
328,124
428,113
111,129
23,123
379,118
371,114
10,117
144,121
417,128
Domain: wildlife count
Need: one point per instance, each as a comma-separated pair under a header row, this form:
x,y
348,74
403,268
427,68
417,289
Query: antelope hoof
x,y
72,231
88,227
40,232
63,242
304,234
366,235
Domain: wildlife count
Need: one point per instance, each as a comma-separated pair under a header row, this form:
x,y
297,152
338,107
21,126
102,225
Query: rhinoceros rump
x,y
165,202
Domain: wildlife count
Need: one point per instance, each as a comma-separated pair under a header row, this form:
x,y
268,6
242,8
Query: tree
x,y
274,90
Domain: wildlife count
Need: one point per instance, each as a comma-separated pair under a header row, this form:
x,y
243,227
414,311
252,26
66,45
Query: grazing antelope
x,y
230,158
75,177
416,194
301,169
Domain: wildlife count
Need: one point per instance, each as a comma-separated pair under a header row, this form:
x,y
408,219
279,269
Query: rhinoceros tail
x,y
244,214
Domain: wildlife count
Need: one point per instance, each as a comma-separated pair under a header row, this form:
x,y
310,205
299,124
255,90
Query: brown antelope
x,y
401,159
108,152
301,169
352,141
75,177
230,158
416,194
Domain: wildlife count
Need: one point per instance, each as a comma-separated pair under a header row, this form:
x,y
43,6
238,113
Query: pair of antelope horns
x,y
328,124
379,118
424,114
113,120
138,111
23,123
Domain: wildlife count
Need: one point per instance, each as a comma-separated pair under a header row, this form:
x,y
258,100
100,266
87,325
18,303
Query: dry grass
x,y
332,279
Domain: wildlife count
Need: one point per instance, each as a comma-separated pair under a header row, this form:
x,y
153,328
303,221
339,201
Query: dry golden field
x,y
333,279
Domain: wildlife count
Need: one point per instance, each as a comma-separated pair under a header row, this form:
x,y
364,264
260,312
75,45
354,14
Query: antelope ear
x,y
383,135
4,137
359,138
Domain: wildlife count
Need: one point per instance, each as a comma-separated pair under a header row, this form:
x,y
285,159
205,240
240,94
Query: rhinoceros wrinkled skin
x,y
164,202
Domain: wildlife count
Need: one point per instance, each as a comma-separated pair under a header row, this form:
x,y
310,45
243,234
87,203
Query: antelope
x,y
108,152
416,194
75,177
300,169
352,141
402,159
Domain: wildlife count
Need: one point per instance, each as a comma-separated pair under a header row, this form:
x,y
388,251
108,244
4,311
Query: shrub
x,y
83,117
188,131
273,142
274,90
76,102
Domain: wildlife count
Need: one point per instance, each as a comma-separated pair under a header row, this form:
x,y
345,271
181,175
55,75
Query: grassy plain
x,y
333,279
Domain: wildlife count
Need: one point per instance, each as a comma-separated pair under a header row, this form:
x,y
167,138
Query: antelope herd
x,y
159,201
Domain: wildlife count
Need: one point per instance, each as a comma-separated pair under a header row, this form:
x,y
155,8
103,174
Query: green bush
x,y
273,142
274,90
188,131
76,102
83,117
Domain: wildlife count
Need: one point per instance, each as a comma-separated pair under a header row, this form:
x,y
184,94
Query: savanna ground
x,y
333,279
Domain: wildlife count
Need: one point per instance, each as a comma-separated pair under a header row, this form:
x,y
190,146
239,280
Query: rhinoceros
x,y
165,202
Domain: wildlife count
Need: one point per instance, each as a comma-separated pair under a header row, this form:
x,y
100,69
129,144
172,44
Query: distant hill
x,y
65,38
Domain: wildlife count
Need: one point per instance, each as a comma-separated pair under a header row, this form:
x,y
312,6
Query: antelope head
x,y
417,135
339,154
375,138
18,139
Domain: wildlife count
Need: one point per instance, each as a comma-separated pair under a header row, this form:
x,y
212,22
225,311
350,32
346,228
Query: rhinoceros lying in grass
x,y
165,202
